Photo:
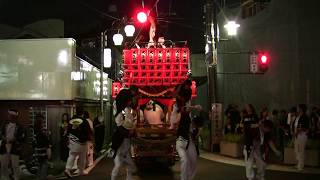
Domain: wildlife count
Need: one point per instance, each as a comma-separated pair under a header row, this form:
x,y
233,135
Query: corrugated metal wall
x,y
288,31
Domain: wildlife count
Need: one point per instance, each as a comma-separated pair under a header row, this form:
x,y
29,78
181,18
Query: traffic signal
x,y
142,17
263,62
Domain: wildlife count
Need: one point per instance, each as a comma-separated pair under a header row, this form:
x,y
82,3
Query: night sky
x,y
176,19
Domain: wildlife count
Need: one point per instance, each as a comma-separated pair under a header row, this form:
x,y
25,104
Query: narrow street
x,y
206,170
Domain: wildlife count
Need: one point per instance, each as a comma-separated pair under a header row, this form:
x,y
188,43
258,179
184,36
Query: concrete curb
x,y
274,167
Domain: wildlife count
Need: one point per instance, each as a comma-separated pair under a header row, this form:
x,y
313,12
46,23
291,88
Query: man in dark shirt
x,y
42,147
253,150
12,138
79,133
300,134
184,144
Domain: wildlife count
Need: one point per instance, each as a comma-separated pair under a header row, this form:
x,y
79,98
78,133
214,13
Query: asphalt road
x,y
207,170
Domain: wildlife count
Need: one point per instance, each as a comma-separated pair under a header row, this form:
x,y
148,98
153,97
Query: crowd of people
x,y
274,131
78,136
81,138
261,132
77,143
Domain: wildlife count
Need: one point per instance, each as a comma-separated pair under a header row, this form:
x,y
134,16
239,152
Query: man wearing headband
x,y
12,138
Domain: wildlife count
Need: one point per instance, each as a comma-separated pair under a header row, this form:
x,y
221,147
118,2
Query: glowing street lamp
x,y
129,30
117,39
232,27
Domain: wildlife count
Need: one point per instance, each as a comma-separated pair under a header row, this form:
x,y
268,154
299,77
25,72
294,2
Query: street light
x,y
129,30
232,27
117,39
105,58
211,56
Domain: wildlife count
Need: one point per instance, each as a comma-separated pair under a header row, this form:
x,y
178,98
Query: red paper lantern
x,y
116,86
155,66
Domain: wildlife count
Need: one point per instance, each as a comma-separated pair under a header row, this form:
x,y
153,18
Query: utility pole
x,y
211,30
101,71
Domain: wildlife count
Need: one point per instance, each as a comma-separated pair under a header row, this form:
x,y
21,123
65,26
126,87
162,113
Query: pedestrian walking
x,y
12,138
79,135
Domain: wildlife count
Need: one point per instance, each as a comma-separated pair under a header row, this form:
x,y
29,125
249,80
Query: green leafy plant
x,y
205,133
204,139
230,137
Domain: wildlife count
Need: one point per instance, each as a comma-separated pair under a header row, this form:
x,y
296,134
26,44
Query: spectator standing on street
x,y
90,142
292,115
250,122
314,121
99,133
301,129
276,128
264,114
12,138
284,129
64,139
232,119
79,135
42,147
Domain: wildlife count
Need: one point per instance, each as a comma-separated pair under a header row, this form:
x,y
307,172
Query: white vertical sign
x,y
253,63
107,58
216,124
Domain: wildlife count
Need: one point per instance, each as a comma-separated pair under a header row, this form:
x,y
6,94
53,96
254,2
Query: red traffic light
x,y
142,17
263,61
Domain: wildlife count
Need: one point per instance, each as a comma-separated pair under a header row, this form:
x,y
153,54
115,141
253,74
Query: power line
x,y
98,11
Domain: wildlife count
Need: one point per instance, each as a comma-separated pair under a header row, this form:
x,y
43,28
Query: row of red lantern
x,y
155,56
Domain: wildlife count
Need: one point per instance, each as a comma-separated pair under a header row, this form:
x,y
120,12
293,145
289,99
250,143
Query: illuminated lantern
x,y
129,30
116,86
194,89
117,39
